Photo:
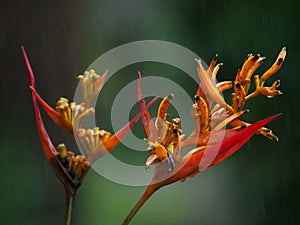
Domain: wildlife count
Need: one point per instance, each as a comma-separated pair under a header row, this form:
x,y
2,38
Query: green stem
x,y
70,198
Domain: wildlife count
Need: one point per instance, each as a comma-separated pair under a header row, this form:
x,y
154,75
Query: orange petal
x,y
275,67
209,87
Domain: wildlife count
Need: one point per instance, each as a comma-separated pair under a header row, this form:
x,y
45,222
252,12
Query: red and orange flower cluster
x,y
211,140
70,168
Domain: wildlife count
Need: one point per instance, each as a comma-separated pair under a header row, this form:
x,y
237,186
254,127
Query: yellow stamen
x,y
91,85
64,109
92,139
62,150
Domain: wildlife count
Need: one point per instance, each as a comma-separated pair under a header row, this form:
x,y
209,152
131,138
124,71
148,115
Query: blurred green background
x,y
257,185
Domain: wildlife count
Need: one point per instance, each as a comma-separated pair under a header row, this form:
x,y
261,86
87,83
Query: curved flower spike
x,y
212,142
197,163
71,169
69,116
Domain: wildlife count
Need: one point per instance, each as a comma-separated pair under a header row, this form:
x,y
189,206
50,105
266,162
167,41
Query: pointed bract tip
x,y
282,54
139,75
271,118
198,61
261,59
170,97
105,73
139,88
28,66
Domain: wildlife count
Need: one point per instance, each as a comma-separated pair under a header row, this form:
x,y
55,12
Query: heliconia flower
x,y
69,168
211,113
69,116
191,166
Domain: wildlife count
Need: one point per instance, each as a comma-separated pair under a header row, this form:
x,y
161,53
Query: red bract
x,y
48,147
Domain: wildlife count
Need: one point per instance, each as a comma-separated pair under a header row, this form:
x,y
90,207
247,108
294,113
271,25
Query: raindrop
x,y
291,216
46,171
271,23
204,7
221,40
264,210
64,25
95,20
263,18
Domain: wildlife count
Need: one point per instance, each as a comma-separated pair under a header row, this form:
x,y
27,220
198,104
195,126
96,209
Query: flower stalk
x,y
70,198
